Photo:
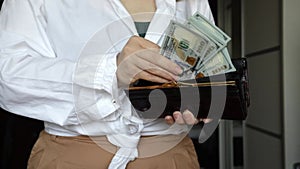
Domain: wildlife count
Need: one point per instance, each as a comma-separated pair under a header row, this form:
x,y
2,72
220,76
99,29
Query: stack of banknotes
x,y
198,46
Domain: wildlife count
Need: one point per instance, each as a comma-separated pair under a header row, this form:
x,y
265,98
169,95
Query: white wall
x,y
291,74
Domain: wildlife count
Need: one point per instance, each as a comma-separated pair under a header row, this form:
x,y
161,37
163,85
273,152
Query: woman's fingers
x,y
155,70
145,75
160,61
206,120
186,117
189,118
133,68
178,117
169,120
140,59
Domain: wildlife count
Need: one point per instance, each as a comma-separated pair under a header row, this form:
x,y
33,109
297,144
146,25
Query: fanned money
x,y
219,62
184,47
213,46
198,46
209,29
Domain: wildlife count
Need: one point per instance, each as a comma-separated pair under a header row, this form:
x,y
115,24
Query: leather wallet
x,y
223,96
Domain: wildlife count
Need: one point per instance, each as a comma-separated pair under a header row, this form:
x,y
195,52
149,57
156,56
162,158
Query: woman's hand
x,y
186,117
140,59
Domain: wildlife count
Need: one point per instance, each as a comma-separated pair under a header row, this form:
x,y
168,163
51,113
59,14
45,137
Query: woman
x,y
66,62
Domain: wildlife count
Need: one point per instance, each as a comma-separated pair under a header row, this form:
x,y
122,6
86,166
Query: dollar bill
x,y
184,46
213,46
198,46
218,61
208,28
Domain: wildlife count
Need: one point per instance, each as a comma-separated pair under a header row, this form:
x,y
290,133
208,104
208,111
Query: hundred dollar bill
x,y
211,30
219,60
220,63
184,46
212,48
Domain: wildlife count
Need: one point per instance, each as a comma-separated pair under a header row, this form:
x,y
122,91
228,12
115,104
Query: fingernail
x,y
178,70
207,120
175,116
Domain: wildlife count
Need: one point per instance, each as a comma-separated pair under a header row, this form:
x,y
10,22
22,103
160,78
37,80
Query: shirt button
x,y
114,101
132,129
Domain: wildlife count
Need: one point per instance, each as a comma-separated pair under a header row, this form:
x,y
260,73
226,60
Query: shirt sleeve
x,y
34,82
203,7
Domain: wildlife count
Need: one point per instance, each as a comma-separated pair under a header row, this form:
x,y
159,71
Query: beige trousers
x,y
83,152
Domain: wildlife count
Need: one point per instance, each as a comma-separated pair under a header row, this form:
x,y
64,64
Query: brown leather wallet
x,y
202,96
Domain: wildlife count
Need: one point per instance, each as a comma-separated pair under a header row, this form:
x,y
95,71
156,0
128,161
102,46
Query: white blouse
x,y
58,64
